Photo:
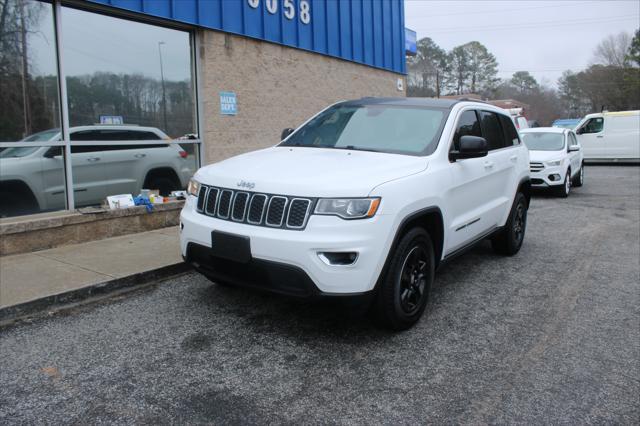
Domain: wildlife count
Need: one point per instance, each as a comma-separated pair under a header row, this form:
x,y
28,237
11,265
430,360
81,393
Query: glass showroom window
x,y
130,93
31,177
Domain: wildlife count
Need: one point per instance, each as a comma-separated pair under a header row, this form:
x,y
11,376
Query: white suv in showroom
x,y
557,160
366,198
32,178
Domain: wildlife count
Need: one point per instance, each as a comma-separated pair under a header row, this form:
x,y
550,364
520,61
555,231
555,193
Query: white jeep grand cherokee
x,y
368,197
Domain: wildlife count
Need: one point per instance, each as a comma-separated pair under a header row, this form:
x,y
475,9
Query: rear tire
x,y
163,184
17,204
404,290
509,240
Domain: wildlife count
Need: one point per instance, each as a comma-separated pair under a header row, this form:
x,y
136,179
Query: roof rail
x,y
472,100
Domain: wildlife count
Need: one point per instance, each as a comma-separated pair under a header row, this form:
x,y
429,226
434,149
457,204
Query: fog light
x,y
554,177
338,258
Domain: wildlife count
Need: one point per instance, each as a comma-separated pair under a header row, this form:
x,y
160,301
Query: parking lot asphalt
x,y
551,335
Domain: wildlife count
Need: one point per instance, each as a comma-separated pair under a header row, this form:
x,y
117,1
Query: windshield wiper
x,y
356,148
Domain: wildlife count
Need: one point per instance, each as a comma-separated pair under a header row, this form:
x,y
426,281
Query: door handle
x,y
514,158
140,155
488,164
599,136
93,159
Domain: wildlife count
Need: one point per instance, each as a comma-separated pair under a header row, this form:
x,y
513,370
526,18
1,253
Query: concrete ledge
x,y
58,301
44,231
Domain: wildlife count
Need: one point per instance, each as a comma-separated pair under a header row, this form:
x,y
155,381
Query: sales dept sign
x,y
228,104
288,8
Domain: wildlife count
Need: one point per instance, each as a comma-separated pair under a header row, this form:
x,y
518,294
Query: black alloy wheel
x,y
413,280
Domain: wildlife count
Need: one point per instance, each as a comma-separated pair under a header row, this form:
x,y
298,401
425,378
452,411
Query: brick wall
x,y
276,87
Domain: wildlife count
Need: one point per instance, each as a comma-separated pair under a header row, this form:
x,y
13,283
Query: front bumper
x,y
548,177
286,260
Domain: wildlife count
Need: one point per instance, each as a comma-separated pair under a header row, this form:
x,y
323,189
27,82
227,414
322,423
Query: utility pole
x,y
164,99
26,109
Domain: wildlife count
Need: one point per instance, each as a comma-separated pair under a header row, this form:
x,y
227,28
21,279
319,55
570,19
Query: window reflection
x,y
28,70
128,73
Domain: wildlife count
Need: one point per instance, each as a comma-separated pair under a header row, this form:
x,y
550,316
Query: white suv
x,y
32,178
368,197
556,157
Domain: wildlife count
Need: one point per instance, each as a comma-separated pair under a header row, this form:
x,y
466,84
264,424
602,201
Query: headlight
x,y
554,163
193,188
348,208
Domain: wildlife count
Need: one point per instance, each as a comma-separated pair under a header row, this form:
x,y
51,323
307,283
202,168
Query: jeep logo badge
x,y
248,185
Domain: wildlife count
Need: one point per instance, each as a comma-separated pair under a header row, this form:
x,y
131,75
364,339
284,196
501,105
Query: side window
x,y
508,129
467,125
594,125
491,130
87,135
572,138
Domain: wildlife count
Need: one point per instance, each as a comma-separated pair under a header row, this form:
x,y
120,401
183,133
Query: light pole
x,y
164,99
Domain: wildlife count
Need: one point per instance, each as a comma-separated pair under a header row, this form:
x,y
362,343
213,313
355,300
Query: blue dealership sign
x,y
228,103
410,42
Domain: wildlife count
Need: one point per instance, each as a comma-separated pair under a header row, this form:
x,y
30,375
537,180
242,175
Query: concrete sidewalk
x,y
34,276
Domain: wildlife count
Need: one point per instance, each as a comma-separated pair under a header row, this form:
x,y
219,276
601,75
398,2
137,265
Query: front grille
x,y
536,167
276,211
298,210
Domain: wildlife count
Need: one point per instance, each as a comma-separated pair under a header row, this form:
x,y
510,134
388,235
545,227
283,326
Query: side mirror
x,y
53,151
573,148
580,131
285,133
470,147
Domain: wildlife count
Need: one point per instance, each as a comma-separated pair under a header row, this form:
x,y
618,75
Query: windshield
x,y
539,141
565,125
45,136
380,128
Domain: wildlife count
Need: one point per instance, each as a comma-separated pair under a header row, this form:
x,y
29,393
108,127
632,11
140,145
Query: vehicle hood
x,y
311,172
537,156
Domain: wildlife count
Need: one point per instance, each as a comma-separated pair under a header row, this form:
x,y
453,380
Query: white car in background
x,y
32,178
610,136
556,158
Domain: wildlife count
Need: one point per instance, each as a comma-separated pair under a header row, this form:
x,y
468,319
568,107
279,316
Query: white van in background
x,y
610,136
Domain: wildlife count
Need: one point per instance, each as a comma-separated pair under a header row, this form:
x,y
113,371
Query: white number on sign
x,y
305,16
288,7
289,10
272,6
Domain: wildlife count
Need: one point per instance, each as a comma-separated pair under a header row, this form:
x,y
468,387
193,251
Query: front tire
x,y
564,190
509,240
404,290
579,179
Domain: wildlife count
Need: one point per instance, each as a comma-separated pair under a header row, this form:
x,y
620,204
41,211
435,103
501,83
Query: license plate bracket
x,y
231,246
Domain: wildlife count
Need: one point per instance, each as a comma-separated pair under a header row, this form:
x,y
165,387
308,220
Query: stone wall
x,y
276,87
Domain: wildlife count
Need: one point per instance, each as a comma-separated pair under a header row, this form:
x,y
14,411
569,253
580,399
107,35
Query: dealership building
x,y
95,84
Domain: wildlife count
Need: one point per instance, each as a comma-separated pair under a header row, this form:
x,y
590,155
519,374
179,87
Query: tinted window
x,y
593,126
508,129
467,125
491,130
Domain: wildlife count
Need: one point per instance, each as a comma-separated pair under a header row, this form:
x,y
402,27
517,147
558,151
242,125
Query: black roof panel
x,y
417,102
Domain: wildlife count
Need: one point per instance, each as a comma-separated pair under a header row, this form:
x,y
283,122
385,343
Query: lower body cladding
x,y
331,256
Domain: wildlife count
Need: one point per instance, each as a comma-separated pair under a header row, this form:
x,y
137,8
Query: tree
x,y
634,49
472,69
524,82
613,50
427,69
483,68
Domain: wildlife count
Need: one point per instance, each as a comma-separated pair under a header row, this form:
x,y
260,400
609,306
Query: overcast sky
x,y
542,37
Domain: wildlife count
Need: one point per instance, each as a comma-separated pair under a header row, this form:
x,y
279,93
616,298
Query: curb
x,y
14,313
